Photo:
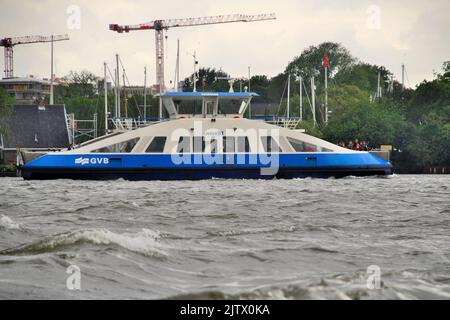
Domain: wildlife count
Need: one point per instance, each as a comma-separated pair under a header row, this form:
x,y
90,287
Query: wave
x,y
339,287
144,242
230,233
8,223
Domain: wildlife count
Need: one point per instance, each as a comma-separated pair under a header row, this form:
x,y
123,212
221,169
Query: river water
x,y
232,239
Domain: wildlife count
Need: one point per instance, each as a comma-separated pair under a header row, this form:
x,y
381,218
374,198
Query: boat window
x,y
229,106
199,144
228,144
184,145
157,145
242,144
121,147
301,146
188,107
210,107
269,144
213,145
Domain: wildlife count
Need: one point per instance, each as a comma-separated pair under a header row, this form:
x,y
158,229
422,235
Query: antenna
x,y
195,71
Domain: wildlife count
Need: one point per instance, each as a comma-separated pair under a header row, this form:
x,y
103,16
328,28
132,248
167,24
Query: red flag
x,y
325,61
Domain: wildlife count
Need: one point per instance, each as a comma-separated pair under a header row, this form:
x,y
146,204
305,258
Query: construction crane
x,y
9,44
160,25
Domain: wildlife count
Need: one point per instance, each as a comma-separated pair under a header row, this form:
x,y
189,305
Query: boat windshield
x,y
194,107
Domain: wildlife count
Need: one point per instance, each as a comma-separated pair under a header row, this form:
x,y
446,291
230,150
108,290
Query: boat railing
x,y
285,122
126,124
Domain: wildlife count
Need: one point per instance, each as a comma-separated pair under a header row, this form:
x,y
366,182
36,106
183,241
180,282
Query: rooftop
x,y
34,127
24,79
192,95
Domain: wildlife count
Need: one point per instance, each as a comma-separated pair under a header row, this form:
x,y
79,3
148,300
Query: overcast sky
x,y
386,33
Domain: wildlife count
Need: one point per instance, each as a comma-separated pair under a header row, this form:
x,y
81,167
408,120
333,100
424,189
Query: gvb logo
x,y
374,277
84,161
73,282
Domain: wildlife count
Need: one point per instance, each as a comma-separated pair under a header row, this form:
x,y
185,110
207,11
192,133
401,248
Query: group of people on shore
x,y
355,145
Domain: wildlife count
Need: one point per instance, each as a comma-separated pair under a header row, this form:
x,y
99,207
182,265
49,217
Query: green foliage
x,y
7,168
346,96
136,106
260,84
369,121
80,84
310,62
83,108
207,77
430,96
5,111
308,126
363,75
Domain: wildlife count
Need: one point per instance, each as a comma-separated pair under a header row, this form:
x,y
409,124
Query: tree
x,y
428,146
5,111
364,76
208,77
368,121
310,61
80,84
260,84
430,96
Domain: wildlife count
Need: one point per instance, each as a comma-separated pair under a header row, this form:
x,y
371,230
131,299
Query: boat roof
x,y
226,95
171,131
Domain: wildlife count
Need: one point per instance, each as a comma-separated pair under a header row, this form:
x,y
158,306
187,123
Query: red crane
x,y
9,43
160,25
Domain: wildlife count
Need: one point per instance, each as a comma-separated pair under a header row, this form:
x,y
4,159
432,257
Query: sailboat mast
x,y
125,96
117,87
105,85
301,99
177,68
145,93
313,98
288,95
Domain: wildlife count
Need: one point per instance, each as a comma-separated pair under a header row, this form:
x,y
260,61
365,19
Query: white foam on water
x,y
8,223
143,242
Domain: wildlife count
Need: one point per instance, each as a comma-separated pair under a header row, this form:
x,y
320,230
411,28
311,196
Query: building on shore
x,y
35,127
27,90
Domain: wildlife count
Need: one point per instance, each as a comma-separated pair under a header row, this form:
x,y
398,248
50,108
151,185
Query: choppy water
x,y
281,239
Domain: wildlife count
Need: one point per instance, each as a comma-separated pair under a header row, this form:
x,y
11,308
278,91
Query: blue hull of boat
x,y
201,166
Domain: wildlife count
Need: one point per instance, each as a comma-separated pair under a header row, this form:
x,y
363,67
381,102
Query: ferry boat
x,y
205,136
